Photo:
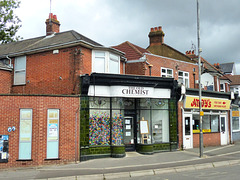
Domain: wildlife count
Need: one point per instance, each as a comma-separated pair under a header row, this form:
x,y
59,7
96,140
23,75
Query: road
x,y
219,173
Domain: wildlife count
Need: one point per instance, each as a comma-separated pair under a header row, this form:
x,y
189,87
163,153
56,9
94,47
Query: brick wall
x,y
49,73
175,65
209,139
68,112
5,81
135,68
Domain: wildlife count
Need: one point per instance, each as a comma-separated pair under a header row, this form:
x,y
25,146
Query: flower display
x,y
99,128
117,129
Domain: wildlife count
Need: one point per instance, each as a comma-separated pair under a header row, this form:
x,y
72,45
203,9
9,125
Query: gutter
x,y
51,47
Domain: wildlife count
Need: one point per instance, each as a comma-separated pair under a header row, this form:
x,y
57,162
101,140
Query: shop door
x,y
223,130
187,132
128,131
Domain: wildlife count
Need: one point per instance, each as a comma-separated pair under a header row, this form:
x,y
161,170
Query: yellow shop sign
x,y
207,103
235,113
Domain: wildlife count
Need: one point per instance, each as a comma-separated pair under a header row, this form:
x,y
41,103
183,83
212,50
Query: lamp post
x,y
200,86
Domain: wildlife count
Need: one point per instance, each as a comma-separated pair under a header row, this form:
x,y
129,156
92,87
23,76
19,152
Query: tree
x,y
9,22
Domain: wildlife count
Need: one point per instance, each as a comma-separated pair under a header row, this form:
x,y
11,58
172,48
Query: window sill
x,y
24,160
18,85
236,130
50,159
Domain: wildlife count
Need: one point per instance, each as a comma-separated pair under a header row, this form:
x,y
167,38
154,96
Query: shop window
x,y
155,112
53,134
235,119
117,127
166,72
144,121
183,78
160,126
210,123
117,121
105,62
235,123
20,70
214,123
99,121
25,135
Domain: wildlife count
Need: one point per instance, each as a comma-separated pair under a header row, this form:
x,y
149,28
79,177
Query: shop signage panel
x,y
207,103
235,113
129,91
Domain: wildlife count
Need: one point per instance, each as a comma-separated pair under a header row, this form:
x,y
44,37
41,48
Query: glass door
x,y
128,132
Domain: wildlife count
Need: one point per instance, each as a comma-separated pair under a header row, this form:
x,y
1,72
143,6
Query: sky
x,y
112,22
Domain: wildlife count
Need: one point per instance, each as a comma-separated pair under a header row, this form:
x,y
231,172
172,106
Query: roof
x,y
227,67
235,79
208,67
44,42
168,51
133,52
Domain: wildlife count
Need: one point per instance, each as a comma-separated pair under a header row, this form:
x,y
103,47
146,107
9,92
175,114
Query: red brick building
x,y
40,94
160,59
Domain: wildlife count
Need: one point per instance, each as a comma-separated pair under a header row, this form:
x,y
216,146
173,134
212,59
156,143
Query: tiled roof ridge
x,y
134,47
212,65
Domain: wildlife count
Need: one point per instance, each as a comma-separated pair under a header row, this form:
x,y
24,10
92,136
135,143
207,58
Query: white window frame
x,y
107,59
20,70
25,137
117,60
166,74
184,78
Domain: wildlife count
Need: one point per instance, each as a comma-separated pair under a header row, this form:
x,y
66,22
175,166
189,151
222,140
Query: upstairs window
x,y
165,72
105,62
20,70
114,64
183,78
222,88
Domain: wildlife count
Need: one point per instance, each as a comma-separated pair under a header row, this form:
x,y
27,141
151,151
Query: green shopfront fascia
x,y
122,113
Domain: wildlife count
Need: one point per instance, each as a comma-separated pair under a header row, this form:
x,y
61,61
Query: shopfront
x,y
215,121
235,123
122,113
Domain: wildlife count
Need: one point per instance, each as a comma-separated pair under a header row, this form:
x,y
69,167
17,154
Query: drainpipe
x,y
10,61
76,132
150,69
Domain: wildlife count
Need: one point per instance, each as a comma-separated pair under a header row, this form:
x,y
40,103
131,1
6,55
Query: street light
x,y
200,86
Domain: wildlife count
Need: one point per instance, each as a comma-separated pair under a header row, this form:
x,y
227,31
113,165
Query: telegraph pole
x,y
200,86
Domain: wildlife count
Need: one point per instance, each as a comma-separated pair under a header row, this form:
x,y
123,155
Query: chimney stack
x,y
156,36
52,24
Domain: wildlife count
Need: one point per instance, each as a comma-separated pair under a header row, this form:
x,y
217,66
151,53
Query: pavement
x,y
133,165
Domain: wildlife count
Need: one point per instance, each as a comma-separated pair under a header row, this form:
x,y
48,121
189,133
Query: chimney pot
x,y
50,15
156,36
52,24
55,17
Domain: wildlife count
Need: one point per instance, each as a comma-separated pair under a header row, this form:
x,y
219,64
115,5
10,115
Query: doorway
x,y
129,133
223,129
187,132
